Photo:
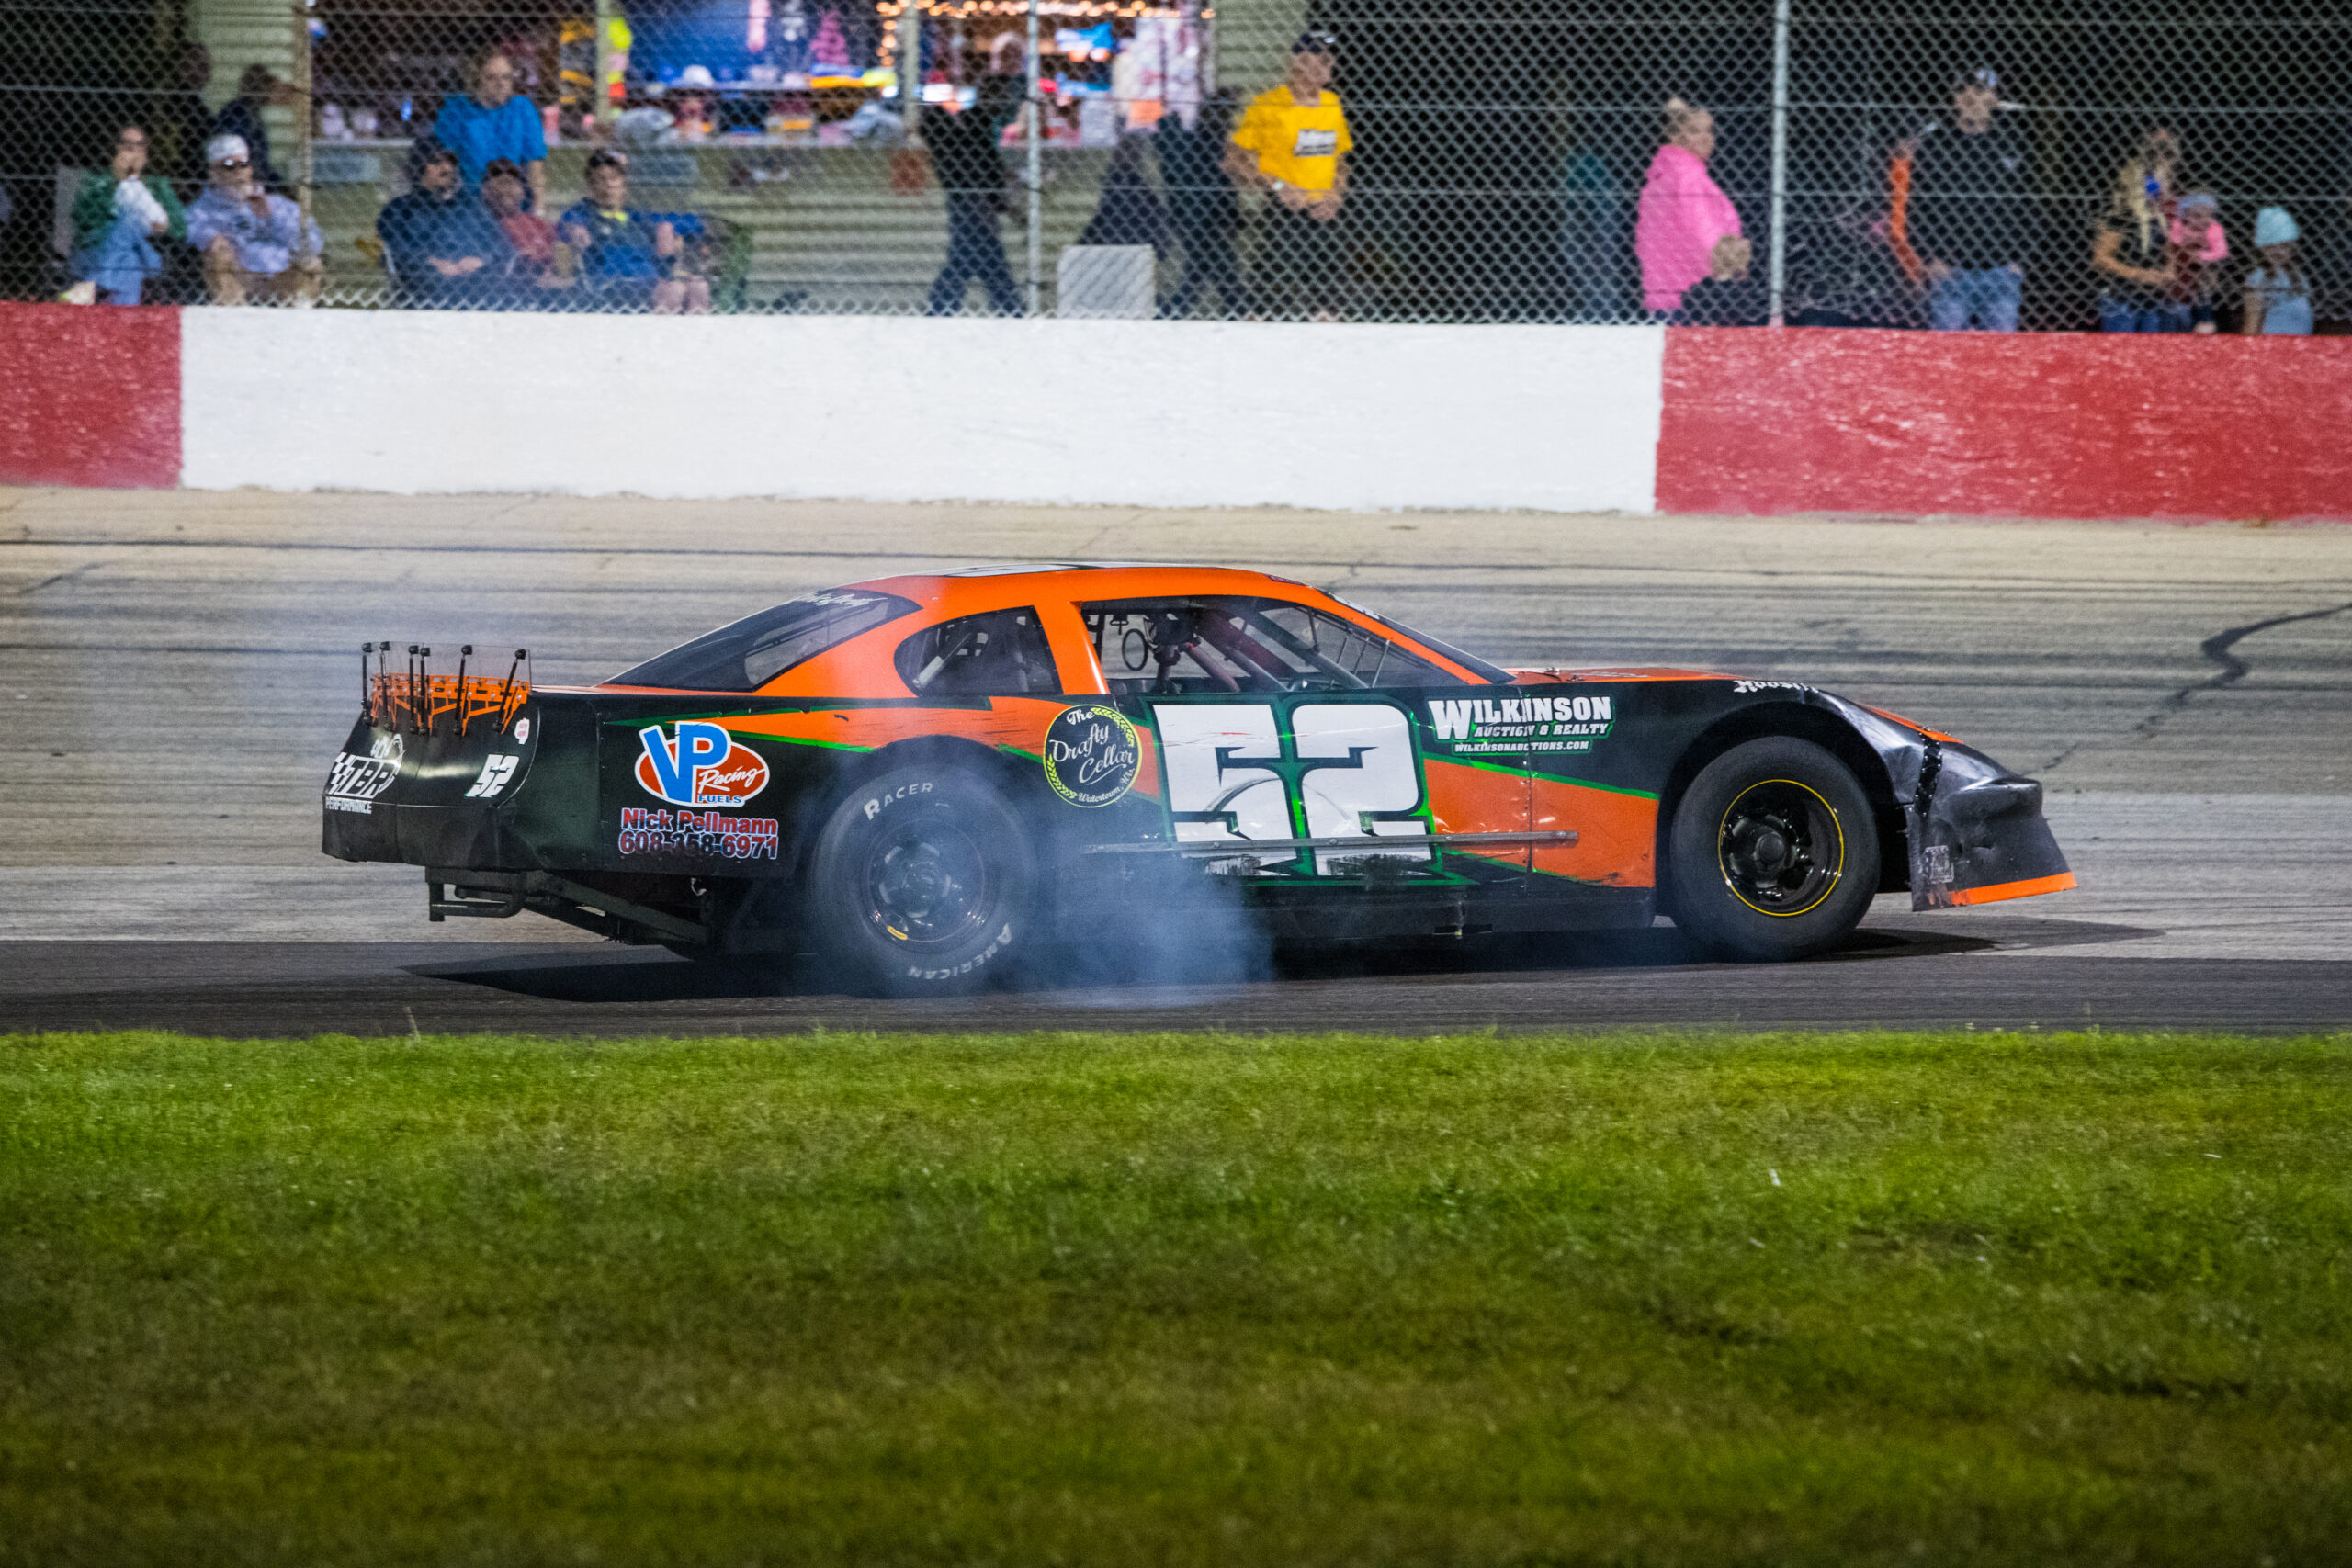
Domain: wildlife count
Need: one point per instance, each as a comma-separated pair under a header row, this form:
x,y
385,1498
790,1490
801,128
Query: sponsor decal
x,y
1471,726
1939,864
1091,755
655,832
354,781
701,765
1740,686
497,773
522,730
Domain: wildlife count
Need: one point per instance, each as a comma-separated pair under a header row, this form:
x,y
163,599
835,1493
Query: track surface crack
x,y
2218,648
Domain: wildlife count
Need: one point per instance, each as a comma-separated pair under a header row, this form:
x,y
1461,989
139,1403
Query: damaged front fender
x,y
1974,830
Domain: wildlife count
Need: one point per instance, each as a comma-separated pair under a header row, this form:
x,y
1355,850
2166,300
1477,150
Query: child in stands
x,y
2278,292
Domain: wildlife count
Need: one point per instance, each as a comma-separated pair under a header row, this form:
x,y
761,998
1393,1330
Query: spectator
x,y
531,264
1202,207
1726,297
1968,215
240,117
2133,250
2279,292
1128,212
1596,234
1682,213
253,244
970,169
182,121
1294,142
2198,249
494,123
447,253
629,259
119,214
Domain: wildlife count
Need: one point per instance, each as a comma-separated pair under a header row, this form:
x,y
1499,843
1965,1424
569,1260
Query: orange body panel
x,y
1616,834
1559,677
1995,894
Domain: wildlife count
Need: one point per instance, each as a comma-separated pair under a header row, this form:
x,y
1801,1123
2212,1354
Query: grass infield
x,y
1176,1299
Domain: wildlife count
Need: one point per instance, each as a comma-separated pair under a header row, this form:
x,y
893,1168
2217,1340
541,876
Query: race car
x,y
930,780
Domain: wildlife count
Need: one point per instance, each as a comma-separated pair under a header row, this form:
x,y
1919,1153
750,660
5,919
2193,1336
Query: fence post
x,y
1780,157
600,95
1034,178
910,63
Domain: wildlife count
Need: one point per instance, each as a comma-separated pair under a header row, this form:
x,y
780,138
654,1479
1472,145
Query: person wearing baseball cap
x,y
1292,143
254,245
1971,220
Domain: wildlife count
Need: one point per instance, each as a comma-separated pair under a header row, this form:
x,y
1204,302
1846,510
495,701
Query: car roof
x,y
970,590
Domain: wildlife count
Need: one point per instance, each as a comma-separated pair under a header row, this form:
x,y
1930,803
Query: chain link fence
x,y
2152,166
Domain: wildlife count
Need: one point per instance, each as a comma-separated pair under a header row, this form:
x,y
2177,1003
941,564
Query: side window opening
x,y
747,654
1229,645
1002,654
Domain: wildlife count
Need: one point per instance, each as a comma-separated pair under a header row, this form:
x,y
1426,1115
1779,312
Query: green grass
x,y
1176,1300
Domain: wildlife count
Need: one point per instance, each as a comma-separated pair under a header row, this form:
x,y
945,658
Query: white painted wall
x,y
888,409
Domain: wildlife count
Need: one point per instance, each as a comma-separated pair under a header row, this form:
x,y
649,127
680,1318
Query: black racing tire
x,y
924,883
1773,853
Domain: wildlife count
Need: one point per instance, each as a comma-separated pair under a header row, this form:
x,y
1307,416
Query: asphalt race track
x,y
178,667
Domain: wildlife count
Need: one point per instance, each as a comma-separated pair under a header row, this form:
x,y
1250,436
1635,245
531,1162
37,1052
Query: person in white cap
x,y
255,246
2279,292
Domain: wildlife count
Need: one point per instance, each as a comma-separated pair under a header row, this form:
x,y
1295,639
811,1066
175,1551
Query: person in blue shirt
x,y
494,123
447,253
629,259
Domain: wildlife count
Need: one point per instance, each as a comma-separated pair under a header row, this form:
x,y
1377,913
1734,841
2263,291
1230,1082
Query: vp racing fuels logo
x,y
354,781
1522,724
1091,755
703,766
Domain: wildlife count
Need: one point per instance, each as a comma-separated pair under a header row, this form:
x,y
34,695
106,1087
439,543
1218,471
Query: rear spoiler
x,y
414,700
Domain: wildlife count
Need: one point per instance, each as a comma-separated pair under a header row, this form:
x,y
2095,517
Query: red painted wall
x,y
89,395
2034,425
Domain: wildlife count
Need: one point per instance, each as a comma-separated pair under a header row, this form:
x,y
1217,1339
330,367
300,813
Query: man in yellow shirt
x,y
1292,143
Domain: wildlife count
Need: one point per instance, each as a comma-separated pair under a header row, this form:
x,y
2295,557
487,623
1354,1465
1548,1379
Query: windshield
x,y
1469,662
756,650
1219,643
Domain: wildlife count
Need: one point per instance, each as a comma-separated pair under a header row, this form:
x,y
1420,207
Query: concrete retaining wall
x,y
1541,418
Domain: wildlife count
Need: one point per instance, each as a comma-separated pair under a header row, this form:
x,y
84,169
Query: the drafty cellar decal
x,y
702,766
1244,770
1472,726
1091,755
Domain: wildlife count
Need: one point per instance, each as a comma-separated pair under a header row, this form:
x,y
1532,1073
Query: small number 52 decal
x,y
495,773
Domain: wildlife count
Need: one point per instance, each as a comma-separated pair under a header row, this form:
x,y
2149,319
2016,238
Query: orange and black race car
x,y
928,778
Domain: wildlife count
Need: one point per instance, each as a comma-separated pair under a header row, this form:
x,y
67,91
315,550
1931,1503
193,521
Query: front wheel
x,y
924,883
1773,853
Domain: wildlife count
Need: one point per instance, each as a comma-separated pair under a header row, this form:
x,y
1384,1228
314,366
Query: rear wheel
x,y
924,883
1773,853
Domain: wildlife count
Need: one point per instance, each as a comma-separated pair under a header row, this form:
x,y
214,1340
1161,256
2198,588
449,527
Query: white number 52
x,y
1341,771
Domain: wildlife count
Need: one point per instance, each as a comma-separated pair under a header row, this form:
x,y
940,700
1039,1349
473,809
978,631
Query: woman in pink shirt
x,y
1683,211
